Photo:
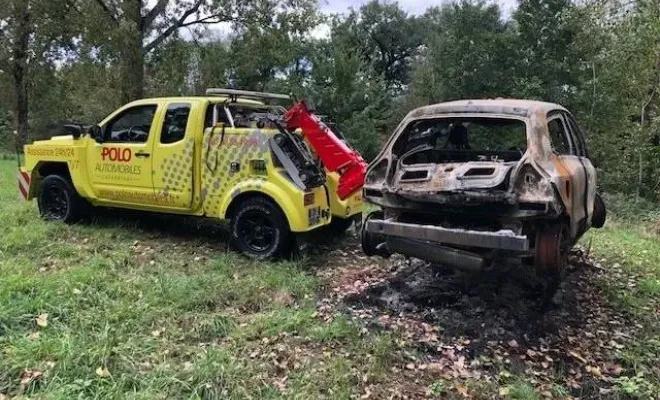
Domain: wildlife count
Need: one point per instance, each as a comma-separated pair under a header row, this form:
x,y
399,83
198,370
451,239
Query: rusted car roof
x,y
521,108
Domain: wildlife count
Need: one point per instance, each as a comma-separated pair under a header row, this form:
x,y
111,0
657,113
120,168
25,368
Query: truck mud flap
x,y
23,184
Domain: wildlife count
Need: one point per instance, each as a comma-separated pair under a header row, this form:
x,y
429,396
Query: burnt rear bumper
x,y
501,240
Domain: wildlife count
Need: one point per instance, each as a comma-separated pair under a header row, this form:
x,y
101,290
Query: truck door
x,y
173,156
120,166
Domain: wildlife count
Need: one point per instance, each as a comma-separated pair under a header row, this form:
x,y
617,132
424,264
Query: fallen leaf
x,y
103,372
462,390
577,356
42,320
614,369
29,375
435,367
504,391
595,371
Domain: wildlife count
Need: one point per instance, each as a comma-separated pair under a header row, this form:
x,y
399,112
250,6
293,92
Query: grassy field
x,y
112,310
120,308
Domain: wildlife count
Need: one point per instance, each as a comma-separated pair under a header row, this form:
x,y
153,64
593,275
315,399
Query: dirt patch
x,y
488,326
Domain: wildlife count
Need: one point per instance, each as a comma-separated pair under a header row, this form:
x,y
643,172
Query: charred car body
x,y
466,183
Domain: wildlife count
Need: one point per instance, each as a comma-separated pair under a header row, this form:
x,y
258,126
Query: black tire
x,y
338,226
370,241
59,201
260,230
599,215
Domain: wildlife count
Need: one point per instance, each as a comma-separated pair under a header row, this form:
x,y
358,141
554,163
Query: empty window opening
x,y
462,139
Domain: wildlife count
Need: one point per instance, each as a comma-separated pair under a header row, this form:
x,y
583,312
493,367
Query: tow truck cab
x,y
217,156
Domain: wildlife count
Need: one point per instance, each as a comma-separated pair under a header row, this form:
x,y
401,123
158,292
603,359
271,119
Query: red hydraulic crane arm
x,y
335,155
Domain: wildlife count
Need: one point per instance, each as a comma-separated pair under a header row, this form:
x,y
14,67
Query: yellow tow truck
x,y
227,155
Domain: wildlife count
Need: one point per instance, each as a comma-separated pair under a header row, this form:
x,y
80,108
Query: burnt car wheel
x,y
58,200
259,229
371,241
551,255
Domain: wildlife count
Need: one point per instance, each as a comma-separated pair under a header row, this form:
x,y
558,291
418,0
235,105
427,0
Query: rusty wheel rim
x,y
551,251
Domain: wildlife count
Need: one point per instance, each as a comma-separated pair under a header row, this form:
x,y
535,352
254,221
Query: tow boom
x,y
335,154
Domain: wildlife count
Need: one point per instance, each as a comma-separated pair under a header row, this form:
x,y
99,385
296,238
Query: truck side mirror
x,y
75,130
96,132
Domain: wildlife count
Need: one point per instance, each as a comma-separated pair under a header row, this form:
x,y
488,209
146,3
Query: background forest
x,y
77,60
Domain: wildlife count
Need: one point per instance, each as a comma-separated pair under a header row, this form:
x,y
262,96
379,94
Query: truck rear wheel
x,y
58,200
260,230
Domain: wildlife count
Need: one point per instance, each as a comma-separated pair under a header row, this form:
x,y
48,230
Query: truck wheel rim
x,y
55,203
256,231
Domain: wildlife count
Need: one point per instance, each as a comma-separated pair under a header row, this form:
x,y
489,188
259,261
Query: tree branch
x,y
176,25
158,9
654,90
107,10
211,19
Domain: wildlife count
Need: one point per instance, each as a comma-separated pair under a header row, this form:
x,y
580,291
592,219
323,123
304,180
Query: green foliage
x,y
521,390
384,37
469,54
635,387
437,388
597,58
626,208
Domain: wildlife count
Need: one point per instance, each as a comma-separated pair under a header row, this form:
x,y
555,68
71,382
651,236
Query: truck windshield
x,y
462,139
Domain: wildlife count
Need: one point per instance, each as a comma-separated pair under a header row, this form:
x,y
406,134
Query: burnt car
x,y
468,183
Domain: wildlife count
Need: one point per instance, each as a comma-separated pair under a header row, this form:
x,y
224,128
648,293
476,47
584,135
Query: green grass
x,y
165,317
134,312
636,292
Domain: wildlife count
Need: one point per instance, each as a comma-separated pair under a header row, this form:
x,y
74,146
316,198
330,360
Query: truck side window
x,y
208,118
132,125
558,136
174,125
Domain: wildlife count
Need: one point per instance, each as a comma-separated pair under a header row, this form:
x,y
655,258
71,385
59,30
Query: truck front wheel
x,y
58,200
260,230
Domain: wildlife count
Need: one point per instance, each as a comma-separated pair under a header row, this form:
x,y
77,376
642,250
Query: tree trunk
x,y
23,29
132,63
133,71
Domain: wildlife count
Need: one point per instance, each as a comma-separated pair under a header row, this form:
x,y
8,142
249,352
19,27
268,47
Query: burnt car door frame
x,y
588,167
574,163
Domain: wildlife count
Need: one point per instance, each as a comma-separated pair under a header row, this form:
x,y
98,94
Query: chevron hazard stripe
x,y
23,184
